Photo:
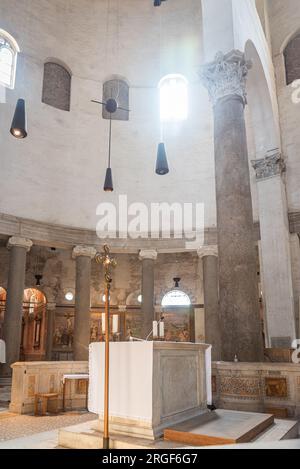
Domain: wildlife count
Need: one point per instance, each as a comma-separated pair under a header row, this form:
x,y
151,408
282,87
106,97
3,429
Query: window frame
x,y
9,43
170,305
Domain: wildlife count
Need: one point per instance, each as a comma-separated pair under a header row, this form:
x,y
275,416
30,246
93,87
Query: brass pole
x,y
106,377
108,262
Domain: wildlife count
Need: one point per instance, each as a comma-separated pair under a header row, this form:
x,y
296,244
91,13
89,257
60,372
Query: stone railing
x,y
257,387
30,378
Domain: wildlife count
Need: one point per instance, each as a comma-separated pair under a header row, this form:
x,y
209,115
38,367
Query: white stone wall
x,y
284,23
57,174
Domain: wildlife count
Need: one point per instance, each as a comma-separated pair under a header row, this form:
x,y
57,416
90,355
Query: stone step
x,y
83,436
280,430
224,427
5,381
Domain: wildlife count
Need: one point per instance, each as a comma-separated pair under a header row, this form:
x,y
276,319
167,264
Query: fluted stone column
x,y
209,256
14,301
225,79
276,264
148,258
83,256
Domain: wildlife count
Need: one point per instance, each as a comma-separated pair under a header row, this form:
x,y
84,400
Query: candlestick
x,y
103,322
161,329
115,324
155,329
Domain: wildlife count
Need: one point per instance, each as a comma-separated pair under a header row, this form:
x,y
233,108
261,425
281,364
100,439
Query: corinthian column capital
x,y
226,75
86,251
268,167
19,242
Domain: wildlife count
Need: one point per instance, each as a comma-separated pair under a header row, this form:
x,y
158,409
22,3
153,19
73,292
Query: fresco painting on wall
x,y
63,331
178,324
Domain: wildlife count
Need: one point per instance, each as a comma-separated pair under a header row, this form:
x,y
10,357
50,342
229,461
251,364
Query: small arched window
x,y
173,90
8,59
176,298
56,86
292,60
117,89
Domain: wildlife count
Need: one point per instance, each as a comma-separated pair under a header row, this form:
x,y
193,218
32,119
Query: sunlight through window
x,y
173,98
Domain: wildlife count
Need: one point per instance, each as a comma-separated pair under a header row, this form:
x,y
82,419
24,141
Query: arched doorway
x,y
33,339
178,316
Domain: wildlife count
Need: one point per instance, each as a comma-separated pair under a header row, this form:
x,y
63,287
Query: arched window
x,y
176,298
56,86
117,89
292,60
173,91
8,59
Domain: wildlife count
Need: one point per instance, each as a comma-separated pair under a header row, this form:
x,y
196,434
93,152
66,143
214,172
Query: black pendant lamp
x,y
108,183
38,278
111,106
176,282
162,167
18,127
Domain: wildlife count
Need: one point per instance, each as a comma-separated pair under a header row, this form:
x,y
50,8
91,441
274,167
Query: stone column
x,y
50,329
83,256
276,264
14,301
225,79
148,258
209,256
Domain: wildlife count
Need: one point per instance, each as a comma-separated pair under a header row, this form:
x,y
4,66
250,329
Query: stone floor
x,y
14,426
49,439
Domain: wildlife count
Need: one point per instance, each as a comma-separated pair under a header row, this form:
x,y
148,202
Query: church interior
x,y
149,224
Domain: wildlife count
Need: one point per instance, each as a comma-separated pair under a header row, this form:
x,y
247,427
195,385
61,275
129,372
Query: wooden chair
x,y
44,397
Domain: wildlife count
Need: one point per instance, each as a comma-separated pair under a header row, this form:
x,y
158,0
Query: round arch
x,y
176,298
10,39
263,109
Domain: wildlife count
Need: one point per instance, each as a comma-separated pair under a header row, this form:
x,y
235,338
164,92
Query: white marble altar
x,y
152,385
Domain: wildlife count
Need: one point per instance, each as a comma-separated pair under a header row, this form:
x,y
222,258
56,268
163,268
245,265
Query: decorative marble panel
x,y
181,369
243,386
276,387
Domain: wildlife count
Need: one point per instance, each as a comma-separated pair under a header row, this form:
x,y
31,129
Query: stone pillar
x,y
50,329
276,264
225,79
209,256
14,301
83,256
148,258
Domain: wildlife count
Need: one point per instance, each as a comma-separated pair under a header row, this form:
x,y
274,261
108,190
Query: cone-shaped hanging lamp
x,y
18,127
108,183
162,167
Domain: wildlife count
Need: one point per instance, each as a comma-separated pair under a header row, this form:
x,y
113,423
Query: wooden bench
x,y
44,397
